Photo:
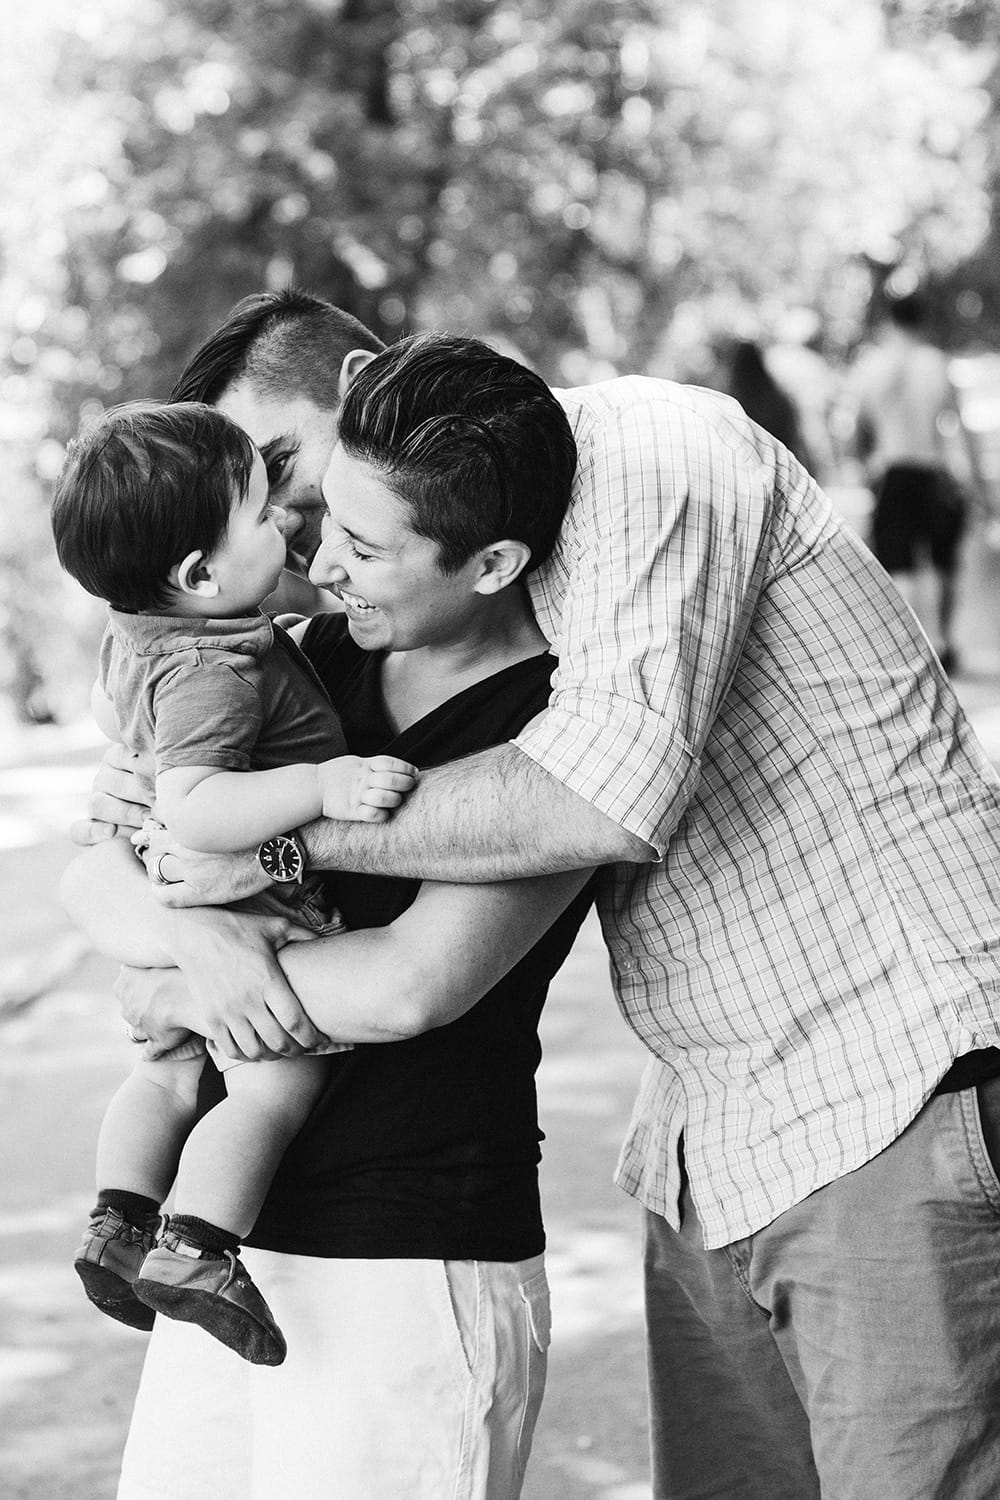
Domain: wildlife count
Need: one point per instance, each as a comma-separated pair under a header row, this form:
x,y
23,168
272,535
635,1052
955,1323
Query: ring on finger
x,y
158,876
134,1036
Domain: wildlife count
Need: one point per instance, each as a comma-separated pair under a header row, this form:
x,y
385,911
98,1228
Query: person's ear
x,y
500,564
194,576
351,364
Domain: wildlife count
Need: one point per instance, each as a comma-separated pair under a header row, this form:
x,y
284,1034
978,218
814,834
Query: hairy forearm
x,y
492,816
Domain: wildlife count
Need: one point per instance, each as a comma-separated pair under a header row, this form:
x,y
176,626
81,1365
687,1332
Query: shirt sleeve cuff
x,y
613,754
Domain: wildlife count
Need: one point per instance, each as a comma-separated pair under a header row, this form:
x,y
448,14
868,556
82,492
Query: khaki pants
x,y
405,1380
852,1348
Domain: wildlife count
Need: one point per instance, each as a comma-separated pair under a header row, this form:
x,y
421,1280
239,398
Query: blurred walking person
x,y
765,401
905,404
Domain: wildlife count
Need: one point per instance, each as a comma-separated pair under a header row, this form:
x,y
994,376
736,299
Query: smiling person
x,y
801,921
164,512
400,1243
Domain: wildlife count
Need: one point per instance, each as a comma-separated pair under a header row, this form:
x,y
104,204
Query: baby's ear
x,y
194,576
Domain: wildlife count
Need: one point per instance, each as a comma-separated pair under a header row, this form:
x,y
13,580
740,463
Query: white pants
x,y
405,1380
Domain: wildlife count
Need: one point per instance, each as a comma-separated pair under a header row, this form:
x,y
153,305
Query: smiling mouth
x,y
355,603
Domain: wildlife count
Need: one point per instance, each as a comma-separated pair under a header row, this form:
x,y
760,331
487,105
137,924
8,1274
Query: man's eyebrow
x,y
284,443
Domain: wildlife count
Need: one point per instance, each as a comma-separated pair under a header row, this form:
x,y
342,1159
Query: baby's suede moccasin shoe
x,y
214,1291
108,1262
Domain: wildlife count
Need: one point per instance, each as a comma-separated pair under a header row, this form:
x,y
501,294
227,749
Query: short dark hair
x,y
141,487
474,443
286,344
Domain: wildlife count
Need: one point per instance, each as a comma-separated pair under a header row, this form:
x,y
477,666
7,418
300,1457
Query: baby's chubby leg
x,y
195,1274
146,1124
233,1153
141,1137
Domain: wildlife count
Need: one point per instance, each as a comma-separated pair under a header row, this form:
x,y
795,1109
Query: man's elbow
x,y
627,848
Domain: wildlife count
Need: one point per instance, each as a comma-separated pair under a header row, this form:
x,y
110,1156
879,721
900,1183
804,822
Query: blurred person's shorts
x,y
919,511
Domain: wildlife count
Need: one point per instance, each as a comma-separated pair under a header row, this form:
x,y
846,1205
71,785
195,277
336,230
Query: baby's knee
x,y
178,1081
282,1093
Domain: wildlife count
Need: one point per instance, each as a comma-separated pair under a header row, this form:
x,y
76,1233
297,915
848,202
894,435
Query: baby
x,y
163,511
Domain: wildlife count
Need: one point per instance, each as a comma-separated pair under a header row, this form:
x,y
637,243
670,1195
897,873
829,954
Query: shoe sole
x,y
114,1296
230,1324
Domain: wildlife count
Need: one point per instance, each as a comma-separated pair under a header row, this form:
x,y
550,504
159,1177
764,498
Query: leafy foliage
x,y
603,185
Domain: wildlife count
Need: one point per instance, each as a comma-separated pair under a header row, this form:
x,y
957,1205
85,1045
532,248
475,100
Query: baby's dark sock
x,y
203,1236
134,1208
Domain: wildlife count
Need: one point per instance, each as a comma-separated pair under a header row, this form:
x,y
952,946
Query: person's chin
x,y
365,632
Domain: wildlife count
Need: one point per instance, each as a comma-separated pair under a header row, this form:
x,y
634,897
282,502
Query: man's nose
x,y
280,518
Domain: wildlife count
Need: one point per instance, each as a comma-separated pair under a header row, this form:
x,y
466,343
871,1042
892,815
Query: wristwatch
x,y
282,858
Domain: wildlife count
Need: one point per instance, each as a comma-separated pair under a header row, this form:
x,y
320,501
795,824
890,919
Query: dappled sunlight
x,y
604,1480
595,1281
18,832
584,1085
42,1287
987,727
18,1367
38,803
64,1217
69,1031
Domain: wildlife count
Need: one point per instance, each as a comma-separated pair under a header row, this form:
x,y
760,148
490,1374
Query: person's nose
x,y
291,521
280,517
324,569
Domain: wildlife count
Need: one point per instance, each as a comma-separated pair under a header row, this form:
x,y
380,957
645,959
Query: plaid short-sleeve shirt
x,y
741,685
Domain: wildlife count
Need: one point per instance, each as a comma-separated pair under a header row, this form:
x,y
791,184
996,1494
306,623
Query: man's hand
x,y
113,806
229,988
147,999
184,877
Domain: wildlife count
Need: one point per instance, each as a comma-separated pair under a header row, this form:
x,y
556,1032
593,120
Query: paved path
x,y
67,1374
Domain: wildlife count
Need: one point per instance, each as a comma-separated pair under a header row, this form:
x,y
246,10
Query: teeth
x,y
354,601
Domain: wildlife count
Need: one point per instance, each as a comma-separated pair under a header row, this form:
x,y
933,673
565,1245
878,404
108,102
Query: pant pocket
x,y
534,1295
988,1107
538,1307
465,1296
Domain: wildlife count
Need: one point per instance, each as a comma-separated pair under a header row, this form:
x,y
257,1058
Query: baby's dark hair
x,y
142,486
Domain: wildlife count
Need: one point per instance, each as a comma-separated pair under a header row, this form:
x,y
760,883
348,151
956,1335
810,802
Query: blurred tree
x,y
601,184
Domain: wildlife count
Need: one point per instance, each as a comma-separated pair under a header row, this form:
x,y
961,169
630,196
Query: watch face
x,y
280,858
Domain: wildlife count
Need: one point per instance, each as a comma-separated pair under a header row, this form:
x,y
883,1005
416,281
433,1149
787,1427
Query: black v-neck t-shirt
x,y
425,1148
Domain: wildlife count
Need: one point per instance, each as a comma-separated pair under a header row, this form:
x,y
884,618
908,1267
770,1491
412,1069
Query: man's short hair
x,y
141,487
285,344
474,443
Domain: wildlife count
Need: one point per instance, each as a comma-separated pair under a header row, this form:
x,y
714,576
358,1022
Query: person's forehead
x,y
268,417
359,498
